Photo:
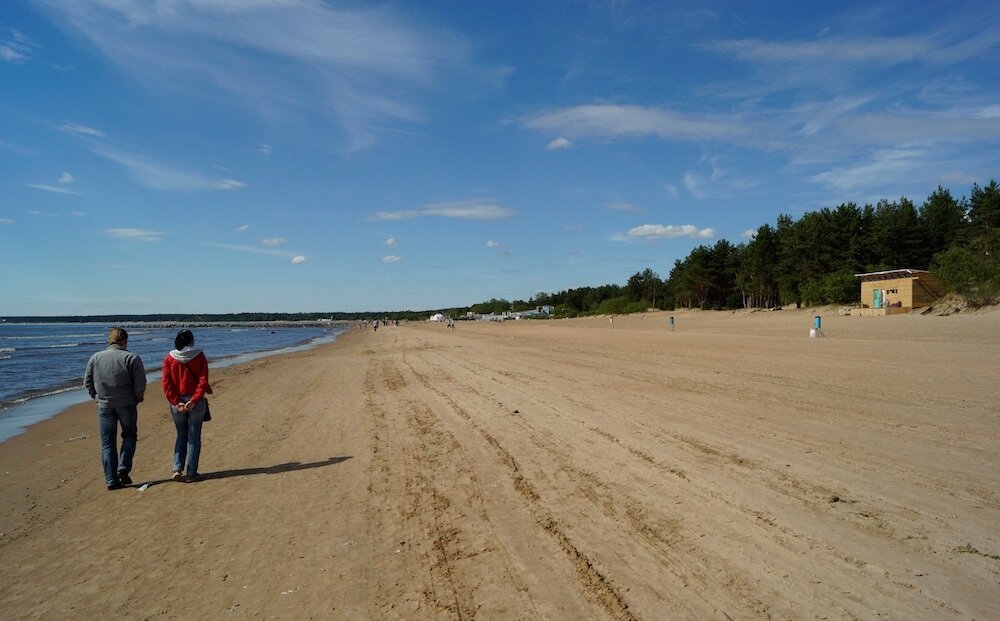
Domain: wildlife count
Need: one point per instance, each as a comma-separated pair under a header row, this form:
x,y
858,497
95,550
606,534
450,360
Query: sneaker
x,y
194,478
124,478
115,486
177,476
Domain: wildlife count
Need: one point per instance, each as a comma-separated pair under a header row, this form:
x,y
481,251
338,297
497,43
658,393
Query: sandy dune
x,y
731,469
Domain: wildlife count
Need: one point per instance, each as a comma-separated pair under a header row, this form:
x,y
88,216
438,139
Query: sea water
x,y
42,365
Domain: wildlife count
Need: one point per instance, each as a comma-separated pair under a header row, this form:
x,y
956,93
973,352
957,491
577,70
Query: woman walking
x,y
185,384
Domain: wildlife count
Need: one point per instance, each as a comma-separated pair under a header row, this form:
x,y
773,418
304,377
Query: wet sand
x,y
731,469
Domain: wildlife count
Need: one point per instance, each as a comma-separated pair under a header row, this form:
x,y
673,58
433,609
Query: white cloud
x,y
228,184
274,241
361,66
492,244
881,50
16,47
271,252
156,176
468,210
887,166
16,149
625,121
82,130
136,234
298,259
391,242
749,234
559,143
657,232
989,112
51,188
66,178
391,258
264,149
6,221
242,228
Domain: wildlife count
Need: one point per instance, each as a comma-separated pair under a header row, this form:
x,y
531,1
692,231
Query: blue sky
x,y
301,155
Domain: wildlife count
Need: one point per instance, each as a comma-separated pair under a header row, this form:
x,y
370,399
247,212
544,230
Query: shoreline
x,y
18,416
563,469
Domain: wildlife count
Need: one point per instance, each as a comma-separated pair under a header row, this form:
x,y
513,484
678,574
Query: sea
x,y
42,364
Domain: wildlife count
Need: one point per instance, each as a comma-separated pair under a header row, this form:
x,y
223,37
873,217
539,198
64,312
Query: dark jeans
x,y
109,417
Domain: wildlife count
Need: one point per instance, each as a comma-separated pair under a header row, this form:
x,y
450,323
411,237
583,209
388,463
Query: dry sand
x,y
731,469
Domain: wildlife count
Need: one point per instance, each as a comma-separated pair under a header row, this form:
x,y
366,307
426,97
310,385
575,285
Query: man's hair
x,y
117,335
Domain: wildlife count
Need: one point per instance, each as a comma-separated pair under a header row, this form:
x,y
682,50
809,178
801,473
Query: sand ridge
x,y
731,469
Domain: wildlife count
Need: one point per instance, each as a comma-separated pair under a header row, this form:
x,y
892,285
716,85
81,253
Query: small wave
x,y
2,357
7,350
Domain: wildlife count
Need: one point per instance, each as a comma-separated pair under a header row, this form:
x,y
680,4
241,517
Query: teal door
x,y
877,302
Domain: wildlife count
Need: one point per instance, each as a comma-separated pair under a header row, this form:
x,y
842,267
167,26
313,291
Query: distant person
x,y
116,378
185,384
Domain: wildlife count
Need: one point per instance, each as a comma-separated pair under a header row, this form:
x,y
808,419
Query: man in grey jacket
x,y
116,378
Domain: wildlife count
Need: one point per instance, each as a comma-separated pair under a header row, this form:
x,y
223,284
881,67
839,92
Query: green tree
x,y
944,221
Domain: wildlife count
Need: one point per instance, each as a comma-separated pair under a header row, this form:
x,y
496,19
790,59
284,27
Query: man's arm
x,y
138,379
88,379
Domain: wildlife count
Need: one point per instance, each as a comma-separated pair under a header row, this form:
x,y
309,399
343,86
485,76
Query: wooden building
x,y
898,291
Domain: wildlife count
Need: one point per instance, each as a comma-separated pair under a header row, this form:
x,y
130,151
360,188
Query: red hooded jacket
x,y
180,378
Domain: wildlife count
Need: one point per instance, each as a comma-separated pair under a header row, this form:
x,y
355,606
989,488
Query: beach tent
x,y
438,317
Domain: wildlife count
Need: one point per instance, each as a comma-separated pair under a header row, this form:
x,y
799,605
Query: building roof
x,y
890,274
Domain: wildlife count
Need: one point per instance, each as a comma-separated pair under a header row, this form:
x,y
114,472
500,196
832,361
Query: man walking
x,y
116,378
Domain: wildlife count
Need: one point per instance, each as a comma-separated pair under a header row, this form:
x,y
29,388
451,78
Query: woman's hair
x,y
117,335
183,339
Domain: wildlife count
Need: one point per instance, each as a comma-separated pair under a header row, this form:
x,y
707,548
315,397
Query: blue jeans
x,y
187,446
109,416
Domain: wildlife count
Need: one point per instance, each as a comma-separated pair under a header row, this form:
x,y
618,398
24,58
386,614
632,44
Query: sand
x,y
731,469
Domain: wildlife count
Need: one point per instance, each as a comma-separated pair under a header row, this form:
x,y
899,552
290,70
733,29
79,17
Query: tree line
x,y
813,260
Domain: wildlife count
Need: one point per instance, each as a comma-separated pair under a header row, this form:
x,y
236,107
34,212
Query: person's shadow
x,y
277,469
243,472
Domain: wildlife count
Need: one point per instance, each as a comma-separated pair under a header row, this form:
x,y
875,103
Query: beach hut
x,y
438,317
898,291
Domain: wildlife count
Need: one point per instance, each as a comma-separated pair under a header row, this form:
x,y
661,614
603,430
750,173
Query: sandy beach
x,y
579,469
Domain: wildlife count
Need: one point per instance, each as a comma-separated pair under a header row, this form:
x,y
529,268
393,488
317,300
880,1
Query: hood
x,y
185,355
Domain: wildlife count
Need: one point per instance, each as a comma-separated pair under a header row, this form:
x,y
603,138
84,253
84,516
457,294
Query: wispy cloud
x,y
157,176
16,47
391,242
361,67
298,259
65,178
492,244
242,228
391,258
51,188
274,241
267,251
136,234
6,221
468,210
264,149
16,149
658,232
607,121
81,130
883,165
